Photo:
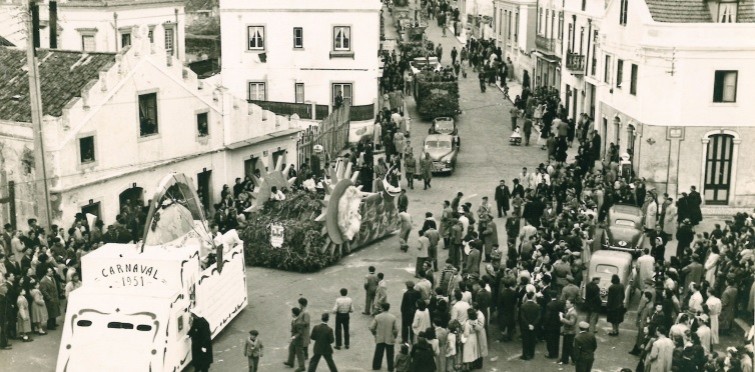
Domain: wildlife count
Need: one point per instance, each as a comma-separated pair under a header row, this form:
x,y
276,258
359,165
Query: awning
x,y
551,58
261,139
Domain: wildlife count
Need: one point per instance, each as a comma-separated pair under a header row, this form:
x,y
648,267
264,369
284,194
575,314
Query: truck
x,y
133,310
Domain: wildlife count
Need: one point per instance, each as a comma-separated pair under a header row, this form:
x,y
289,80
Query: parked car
x,y
604,264
419,63
442,151
624,231
446,125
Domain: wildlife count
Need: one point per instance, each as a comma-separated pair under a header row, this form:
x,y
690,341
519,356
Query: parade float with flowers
x,y
310,230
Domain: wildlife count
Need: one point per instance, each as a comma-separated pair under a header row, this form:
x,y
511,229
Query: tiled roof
x,y
679,11
5,42
62,74
746,11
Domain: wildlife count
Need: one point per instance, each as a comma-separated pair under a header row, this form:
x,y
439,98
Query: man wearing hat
x,y
585,345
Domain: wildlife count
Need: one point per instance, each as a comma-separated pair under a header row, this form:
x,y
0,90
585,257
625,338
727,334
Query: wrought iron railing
x,y
575,62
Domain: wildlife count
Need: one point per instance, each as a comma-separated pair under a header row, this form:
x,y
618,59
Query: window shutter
x,y
718,86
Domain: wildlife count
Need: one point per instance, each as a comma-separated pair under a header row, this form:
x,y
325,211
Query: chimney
x,y
35,22
53,24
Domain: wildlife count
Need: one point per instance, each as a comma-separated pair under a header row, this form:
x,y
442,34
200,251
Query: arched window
x,y
718,164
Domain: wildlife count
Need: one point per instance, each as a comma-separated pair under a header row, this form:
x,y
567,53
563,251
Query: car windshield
x,y
445,125
628,223
438,144
606,269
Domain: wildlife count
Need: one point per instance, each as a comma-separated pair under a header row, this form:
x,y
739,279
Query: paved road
x,y
486,157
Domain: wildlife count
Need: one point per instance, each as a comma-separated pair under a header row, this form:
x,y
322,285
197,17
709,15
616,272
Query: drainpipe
x,y
115,22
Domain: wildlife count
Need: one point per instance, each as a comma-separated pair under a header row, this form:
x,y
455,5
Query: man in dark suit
x,y
370,287
507,309
296,344
552,326
408,308
517,189
403,201
385,329
529,318
322,335
584,348
593,303
11,265
502,196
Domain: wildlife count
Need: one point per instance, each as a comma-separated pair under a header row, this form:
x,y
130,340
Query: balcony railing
x,y
544,43
575,63
304,110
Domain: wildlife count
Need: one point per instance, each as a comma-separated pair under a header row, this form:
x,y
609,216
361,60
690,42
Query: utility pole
x,y
35,98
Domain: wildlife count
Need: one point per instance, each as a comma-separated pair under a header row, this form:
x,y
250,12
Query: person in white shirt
x,y
342,308
276,194
465,225
459,309
309,184
527,179
696,301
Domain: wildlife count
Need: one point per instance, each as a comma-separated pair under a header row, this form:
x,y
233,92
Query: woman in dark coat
x,y
615,305
201,343
423,358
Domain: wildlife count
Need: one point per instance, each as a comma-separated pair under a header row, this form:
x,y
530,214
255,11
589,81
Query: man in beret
x,y
585,345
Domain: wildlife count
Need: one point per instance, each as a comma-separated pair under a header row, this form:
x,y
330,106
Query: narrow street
x,y
485,158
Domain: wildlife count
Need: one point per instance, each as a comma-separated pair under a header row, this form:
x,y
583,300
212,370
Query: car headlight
x,y
446,159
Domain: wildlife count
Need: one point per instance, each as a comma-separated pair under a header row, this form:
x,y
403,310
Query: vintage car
x,y
624,231
604,264
418,64
442,151
445,125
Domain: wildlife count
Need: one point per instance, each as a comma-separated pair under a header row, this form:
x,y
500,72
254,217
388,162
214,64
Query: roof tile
x,y
679,11
62,75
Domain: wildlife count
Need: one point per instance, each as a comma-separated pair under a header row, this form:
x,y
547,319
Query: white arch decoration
x,y
734,160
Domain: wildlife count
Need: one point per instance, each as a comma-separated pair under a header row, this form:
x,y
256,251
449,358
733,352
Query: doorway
x,y
133,197
250,166
574,104
203,188
718,169
279,155
92,208
604,132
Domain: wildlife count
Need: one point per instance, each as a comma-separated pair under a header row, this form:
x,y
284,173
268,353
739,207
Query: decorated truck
x,y
133,311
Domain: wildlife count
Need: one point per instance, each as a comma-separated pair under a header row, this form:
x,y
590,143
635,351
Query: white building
x,y
295,51
476,18
580,58
549,43
514,31
99,25
115,123
675,89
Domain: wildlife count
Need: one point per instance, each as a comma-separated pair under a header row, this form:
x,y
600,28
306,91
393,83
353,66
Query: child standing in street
x,y
253,350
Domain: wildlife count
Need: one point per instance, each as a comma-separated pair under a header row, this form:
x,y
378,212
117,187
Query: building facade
x,y
118,122
99,25
579,77
302,51
514,32
672,75
549,43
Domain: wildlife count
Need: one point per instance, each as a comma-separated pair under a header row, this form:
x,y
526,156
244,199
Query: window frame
x,y
80,151
719,86
206,114
607,68
349,39
249,90
88,33
732,17
342,84
249,46
633,79
623,10
296,93
139,95
169,29
300,45
619,72
125,35
151,34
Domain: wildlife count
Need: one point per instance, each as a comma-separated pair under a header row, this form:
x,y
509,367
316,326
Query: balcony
x,y
544,43
575,63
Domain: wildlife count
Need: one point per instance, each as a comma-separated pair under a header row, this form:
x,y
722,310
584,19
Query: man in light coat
x,y
645,268
661,353
651,214
385,329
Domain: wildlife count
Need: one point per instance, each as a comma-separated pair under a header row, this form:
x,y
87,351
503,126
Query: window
x,y
623,12
169,40
540,22
510,26
516,26
256,36
345,92
570,40
342,38
633,82
299,92
594,64
619,72
725,86
298,37
584,5
86,149
257,92
203,126
148,114
560,25
87,43
607,70
151,34
727,12
125,39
